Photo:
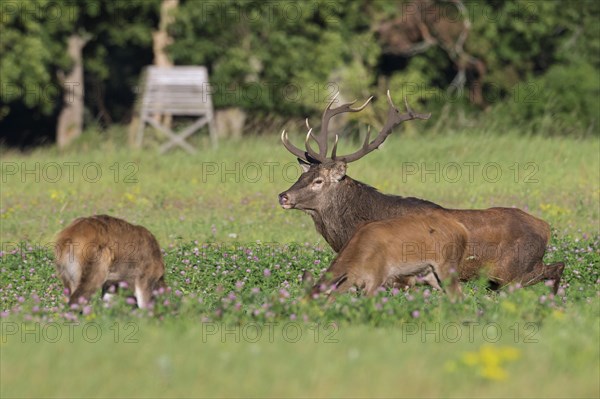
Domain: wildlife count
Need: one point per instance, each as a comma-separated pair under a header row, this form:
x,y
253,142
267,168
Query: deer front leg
x,y
446,273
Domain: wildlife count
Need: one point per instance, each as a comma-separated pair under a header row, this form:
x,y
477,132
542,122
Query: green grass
x,y
179,359
177,196
234,260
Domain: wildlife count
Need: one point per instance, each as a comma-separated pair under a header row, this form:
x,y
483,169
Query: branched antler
x,y
393,120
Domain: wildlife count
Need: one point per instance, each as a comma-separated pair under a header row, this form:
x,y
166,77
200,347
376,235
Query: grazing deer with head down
x,y
508,243
100,251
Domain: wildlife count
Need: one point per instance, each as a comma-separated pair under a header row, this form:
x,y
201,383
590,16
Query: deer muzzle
x,y
284,201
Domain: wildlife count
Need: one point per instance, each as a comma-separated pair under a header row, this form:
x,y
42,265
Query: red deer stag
x,y
507,242
99,251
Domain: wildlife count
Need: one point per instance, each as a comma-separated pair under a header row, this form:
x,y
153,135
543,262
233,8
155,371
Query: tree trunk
x,y
160,40
70,120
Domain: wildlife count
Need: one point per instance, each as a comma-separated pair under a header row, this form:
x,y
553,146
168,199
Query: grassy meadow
x,y
235,321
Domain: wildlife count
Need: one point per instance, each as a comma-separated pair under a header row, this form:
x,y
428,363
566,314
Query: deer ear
x,y
304,165
338,171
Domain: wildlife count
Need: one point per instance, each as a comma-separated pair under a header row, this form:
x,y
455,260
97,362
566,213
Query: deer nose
x,y
283,199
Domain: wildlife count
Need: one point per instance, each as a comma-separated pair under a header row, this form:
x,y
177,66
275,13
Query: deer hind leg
x,y
542,272
109,290
554,272
69,269
68,283
159,284
143,291
94,272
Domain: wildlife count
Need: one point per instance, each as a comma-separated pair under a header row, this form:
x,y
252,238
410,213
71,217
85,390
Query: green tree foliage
x,y
288,57
257,50
522,39
121,46
271,56
33,51
542,60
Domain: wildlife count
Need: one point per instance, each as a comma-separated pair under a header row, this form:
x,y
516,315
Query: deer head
x,y
321,174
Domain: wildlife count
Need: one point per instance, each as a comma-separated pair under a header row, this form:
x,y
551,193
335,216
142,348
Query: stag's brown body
x,y
404,247
508,243
99,251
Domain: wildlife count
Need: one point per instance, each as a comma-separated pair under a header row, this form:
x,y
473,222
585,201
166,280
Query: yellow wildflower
x,y
489,359
558,315
509,306
129,197
495,373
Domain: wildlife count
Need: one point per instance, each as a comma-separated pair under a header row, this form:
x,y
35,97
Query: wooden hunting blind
x,y
176,91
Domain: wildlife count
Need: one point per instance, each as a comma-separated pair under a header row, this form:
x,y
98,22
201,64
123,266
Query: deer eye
x,y
318,181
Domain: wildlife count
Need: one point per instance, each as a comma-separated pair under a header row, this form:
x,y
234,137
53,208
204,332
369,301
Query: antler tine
x,y
410,114
290,147
367,137
328,114
394,119
322,138
311,153
334,150
408,108
331,102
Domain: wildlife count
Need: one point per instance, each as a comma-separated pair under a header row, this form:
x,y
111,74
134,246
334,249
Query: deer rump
x,y
385,251
99,251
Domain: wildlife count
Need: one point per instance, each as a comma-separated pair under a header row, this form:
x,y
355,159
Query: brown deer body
x,y
99,251
404,247
507,242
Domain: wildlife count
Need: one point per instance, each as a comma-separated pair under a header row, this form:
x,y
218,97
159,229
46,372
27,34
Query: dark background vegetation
x,y
281,60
